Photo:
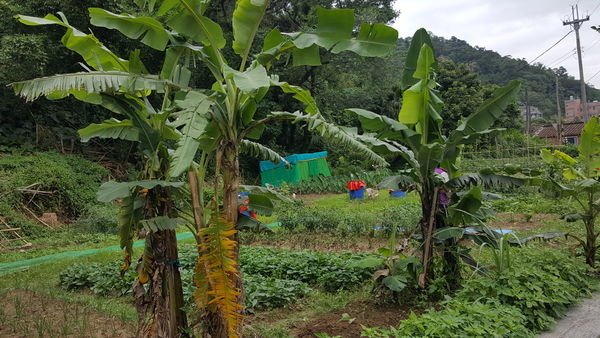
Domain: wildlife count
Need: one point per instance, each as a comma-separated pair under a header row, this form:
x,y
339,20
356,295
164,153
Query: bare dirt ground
x,y
28,314
360,313
508,220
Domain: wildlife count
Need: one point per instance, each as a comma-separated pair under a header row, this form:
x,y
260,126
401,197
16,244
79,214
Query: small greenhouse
x,y
301,167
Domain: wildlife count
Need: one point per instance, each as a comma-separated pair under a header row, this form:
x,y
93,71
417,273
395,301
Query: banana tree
x,y
217,123
147,208
582,175
231,124
416,137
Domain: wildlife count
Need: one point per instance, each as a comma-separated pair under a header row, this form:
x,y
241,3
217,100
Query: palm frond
x,y
218,257
160,223
113,128
268,192
192,120
89,82
331,132
491,181
402,182
95,54
128,219
144,267
260,151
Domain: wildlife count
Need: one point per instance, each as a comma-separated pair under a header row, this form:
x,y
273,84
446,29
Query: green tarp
x,y
302,167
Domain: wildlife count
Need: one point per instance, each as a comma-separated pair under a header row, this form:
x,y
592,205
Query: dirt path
x,y
583,321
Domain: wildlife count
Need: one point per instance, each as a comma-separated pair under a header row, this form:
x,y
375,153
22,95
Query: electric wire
x,y
554,45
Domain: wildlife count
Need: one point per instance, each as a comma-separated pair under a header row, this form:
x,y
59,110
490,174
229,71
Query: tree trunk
x,y
452,264
231,183
589,249
160,308
429,206
214,326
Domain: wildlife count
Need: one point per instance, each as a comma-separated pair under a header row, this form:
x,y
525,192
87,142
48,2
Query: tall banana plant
x,y
147,209
231,125
582,176
217,123
416,137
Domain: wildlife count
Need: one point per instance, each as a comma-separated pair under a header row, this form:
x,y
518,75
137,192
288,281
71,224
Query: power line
x,y
595,8
593,76
593,44
562,58
554,45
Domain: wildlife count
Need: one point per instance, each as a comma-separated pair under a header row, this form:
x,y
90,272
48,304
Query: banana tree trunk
x,y
452,264
428,223
160,306
213,324
589,249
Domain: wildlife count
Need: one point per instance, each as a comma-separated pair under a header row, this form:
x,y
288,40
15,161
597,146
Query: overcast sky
x,y
520,28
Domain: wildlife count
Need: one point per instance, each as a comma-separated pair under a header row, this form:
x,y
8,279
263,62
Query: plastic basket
x,y
358,194
397,193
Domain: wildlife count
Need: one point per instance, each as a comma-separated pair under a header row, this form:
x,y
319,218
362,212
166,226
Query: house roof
x,y
546,132
572,129
569,129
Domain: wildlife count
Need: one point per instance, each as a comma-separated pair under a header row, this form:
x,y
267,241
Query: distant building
x,y
535,112
571,132
574,111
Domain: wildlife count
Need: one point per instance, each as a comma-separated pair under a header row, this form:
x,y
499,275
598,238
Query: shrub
x,y
460,319
343,278
98,218
272,278
73,181
102,279
267,293
309,218
541,285
530,202
403,217
332,271
337,183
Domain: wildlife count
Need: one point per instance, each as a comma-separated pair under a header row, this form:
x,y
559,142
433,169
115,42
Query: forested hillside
x,y
495,68
467,75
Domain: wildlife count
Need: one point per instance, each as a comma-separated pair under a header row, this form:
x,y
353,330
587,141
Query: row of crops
x,y
272,277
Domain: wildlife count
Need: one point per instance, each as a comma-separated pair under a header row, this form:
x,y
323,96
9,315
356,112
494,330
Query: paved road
x,y
583,321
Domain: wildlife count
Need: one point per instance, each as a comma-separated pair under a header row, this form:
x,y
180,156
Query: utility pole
x,y
527,114
576,23
559,124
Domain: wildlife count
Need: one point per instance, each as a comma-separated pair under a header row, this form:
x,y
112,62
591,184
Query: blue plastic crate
x,y
357,194
398,193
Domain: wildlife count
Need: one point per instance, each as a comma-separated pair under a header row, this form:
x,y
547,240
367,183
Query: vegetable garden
x,y
499,251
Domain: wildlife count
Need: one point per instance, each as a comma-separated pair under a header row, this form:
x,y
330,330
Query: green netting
x,y
6,268
10,267
298,172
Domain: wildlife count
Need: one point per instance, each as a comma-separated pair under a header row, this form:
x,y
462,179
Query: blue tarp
x,y
292,159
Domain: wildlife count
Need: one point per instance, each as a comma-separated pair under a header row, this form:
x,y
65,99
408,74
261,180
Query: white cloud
x,y
522,29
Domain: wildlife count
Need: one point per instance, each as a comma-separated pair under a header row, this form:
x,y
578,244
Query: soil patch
x,y
514,221
365,313
28,314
